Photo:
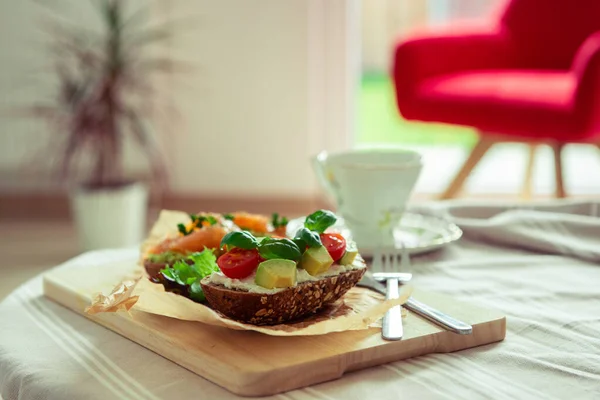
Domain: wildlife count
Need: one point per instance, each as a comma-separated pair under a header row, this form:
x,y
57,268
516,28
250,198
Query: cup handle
x,y
320,166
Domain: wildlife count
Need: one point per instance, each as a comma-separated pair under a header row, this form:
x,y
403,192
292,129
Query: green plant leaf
x,y
157,165
308,238
279,248
196,292
189,275
205,262
320,220
277,222
184,273
241,239
300,243
182,229
168,273
168,257
150,36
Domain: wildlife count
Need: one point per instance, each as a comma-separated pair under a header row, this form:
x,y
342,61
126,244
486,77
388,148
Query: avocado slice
x,y
316,260
349,256
276,273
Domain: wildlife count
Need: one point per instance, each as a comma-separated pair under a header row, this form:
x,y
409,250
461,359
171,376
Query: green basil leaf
x,y
320,220
279,248
211,220
278,222
308,237
241,239
229,217
300,243
196,292
181,228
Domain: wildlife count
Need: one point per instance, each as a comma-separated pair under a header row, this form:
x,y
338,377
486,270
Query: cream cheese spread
x,y
247,284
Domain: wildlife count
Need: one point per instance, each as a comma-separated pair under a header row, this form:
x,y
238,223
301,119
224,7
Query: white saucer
x,y
419,233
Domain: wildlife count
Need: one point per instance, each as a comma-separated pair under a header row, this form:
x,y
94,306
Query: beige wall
x,y
244,126
272,87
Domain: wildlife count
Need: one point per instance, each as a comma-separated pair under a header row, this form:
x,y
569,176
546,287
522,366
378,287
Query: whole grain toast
x,y
289,304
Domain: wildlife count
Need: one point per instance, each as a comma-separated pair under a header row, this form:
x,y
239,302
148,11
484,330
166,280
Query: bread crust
x,y
153,269
287,305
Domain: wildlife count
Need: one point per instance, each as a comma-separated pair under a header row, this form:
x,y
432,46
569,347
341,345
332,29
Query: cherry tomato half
x,y
239,263
335,244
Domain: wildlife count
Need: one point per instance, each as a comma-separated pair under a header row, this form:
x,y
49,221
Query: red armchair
x,y
533,77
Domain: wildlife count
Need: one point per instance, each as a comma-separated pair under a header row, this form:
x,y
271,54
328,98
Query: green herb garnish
x,y
241,239
229,217
189,274
278,222
181,228
320,220
198,221
267,247
305,237
168,257
286,249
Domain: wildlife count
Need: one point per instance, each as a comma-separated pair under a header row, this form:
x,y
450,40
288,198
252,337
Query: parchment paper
x,y
358,309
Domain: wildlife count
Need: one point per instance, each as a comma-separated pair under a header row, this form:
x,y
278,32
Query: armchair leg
x,y
557,149
526,190
482,146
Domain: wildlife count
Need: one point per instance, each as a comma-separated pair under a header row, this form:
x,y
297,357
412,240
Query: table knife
x,y
436,316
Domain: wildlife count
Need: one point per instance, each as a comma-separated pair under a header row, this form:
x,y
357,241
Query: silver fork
x,y
392,328
436,316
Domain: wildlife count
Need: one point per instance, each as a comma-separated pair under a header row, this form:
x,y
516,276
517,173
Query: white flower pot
x,y
110,218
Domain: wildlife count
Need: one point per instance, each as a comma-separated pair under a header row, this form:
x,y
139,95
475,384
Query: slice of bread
x,y
293,303
152,269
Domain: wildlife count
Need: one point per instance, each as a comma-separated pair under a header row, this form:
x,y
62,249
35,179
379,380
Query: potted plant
x,y
104,85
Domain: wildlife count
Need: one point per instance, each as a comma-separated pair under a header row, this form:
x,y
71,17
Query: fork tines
x,y
389,260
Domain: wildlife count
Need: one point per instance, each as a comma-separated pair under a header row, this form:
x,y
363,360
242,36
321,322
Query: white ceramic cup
x,y
371,188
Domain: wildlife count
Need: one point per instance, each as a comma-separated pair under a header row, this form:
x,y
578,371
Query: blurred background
x,y
113,110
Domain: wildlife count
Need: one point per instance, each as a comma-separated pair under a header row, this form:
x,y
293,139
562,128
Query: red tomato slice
x,y
335,244
239,263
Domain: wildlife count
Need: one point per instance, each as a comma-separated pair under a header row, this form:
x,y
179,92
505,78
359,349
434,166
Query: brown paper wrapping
x,y
121,298
358,309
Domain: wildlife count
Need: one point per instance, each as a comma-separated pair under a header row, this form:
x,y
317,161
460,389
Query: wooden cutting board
x,y
254,364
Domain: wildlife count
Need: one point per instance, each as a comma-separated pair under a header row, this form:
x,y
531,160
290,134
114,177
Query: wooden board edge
x,y
255,382
57,293
495,329
393,352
